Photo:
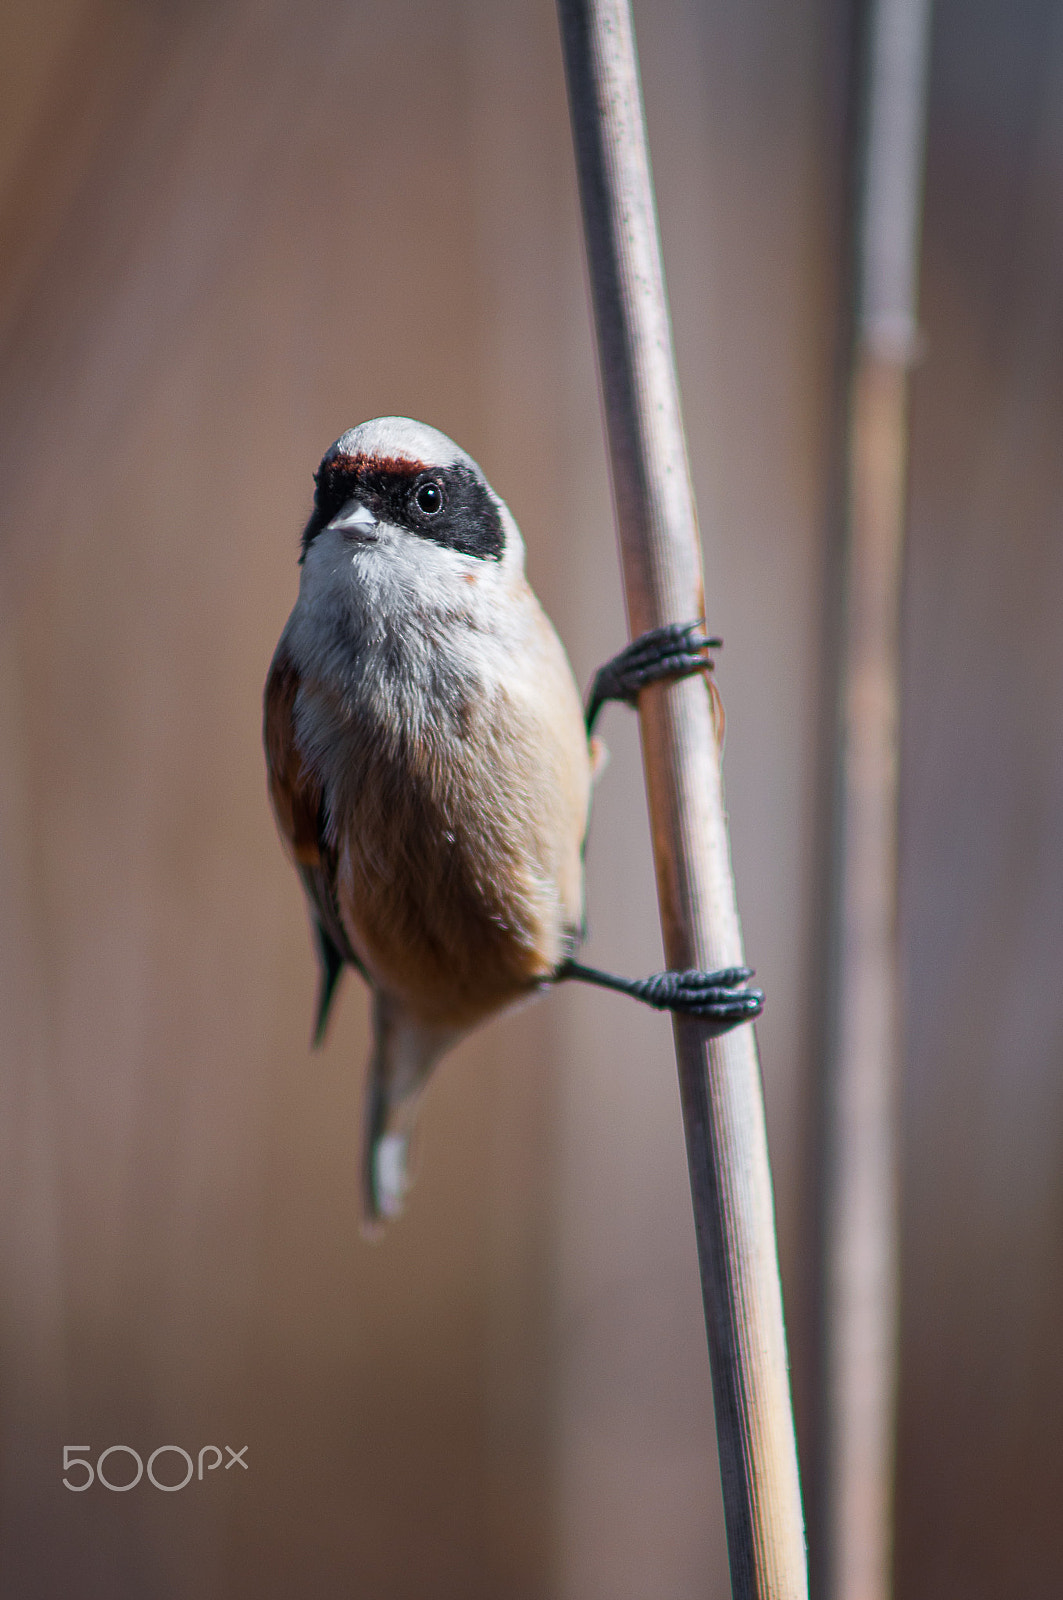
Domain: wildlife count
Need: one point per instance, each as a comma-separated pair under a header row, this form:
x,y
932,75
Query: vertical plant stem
x,y
719,1079
860,1242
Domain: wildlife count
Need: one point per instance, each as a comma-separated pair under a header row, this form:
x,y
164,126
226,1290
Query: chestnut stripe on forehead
x,y
362,465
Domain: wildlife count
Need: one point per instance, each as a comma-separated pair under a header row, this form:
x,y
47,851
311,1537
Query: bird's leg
x,y
677,650
719,998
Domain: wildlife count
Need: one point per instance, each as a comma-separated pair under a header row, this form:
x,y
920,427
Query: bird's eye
x,y
429,499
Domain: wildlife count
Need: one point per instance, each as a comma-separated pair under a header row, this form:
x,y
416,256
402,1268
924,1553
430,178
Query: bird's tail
x,y
404,1053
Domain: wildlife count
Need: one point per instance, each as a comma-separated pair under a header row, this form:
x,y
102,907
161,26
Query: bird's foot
x,y
721,999
677,650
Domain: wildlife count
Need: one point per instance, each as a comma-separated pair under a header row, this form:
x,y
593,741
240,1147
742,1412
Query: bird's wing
x,y
299,807
293,788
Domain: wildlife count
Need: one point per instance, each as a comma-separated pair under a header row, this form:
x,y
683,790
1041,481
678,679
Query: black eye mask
x,y
449,505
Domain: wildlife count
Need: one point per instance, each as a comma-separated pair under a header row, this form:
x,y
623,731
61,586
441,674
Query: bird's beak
x,y
355,521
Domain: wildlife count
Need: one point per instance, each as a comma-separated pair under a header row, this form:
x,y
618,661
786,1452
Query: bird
x,y
430,765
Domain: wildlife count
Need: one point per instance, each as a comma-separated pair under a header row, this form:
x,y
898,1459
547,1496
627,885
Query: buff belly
x,y
451,881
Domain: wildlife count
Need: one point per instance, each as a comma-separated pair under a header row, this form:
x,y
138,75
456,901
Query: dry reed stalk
x,y
719,1079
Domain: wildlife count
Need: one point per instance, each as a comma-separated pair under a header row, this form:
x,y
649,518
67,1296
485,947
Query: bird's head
x,y
399,492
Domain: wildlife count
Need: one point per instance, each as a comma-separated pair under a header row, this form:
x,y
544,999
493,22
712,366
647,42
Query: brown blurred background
x,y
227,232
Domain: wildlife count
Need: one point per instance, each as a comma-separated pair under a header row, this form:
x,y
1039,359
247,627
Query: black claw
x,y
677,650
715,997
730,977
